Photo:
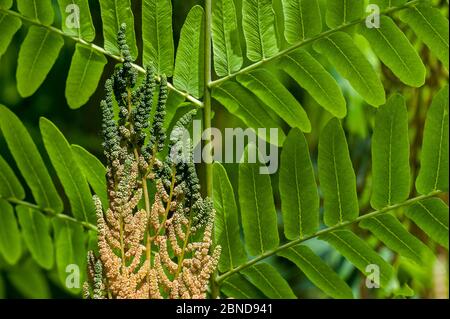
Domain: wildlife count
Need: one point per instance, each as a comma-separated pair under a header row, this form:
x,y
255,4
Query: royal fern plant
x,y
239,55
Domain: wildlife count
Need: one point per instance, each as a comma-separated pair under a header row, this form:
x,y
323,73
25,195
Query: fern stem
x,y
207,95
51,213
324,231
305,43
207,117
99,49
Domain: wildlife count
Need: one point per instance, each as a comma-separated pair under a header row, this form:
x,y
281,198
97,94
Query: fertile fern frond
x,y
148,252
45,229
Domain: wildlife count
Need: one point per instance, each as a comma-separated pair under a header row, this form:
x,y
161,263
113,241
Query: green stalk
x,y
207,118
207,94
51,213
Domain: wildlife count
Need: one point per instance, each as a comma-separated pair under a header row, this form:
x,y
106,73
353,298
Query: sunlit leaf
x,y
390,154
317,271
9,26
302,19
298,189
431,27
29,161
93,170
272,93
433,174
227,232
10,186
431,215
70,252
189,66
340,49
248,108
391,232
259,218
359,253
10,242
84,75
237,286
227,48
114,13
76,19
312,76
37,55
394,49
336,175
38,10
157,35
69,173
36,233
259,29
340,12
269,281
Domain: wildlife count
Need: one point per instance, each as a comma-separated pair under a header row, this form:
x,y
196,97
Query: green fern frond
x,y
302,27
300,206
75,168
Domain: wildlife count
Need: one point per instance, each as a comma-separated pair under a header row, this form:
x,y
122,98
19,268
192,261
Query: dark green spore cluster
x,y
133,132
134,105
157,132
